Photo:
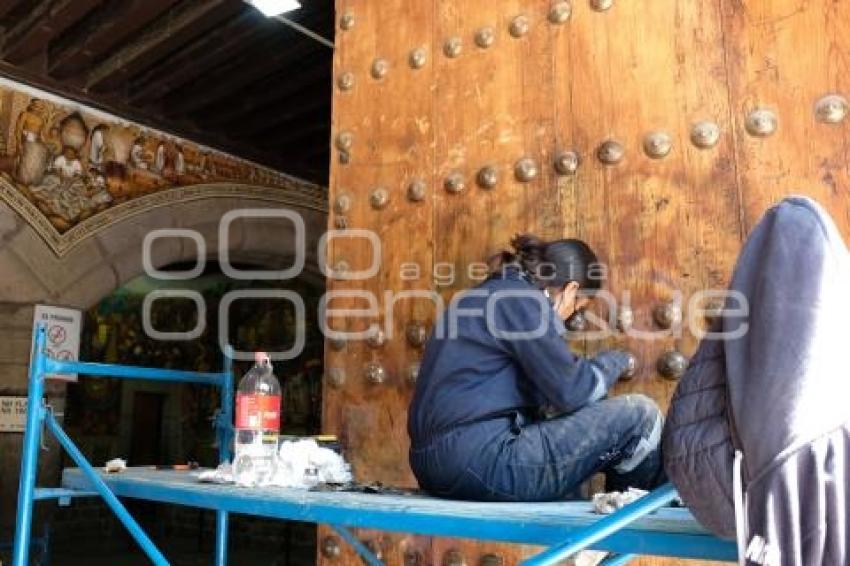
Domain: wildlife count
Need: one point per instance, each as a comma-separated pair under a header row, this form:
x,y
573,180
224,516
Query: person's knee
x,y
647,423
637,413
645,411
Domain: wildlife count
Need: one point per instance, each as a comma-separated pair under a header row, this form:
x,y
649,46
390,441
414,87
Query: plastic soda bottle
x,y
257,424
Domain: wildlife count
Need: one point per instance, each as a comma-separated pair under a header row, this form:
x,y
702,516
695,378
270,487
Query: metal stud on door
x,y
485,37
377,339
346,21
331,548
453,47
344,141
380,68
375,373
705,134
335,377
526,170
657,144
342,203
454,183
379,198
487,177
631,369
519,26
625,318
610,152
417,190
667,315
560,12
417,58
491,560
453,557
416,334
672,364
567,162
761,123
831,109
345,81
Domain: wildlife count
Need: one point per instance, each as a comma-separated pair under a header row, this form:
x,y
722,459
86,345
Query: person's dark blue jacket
x,y
472,371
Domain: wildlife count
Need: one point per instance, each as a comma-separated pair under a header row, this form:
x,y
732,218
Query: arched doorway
x,y
162,423
111,258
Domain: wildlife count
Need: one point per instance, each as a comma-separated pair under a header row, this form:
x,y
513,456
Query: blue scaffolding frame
x,y
40,415
565,528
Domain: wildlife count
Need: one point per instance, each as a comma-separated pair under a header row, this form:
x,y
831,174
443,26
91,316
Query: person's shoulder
x,y
507,279
513,292
495,285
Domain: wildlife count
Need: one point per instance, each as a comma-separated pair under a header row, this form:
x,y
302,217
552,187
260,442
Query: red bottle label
x,y
258,411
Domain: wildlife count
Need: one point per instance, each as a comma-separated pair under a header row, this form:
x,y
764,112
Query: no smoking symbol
x,y
56,334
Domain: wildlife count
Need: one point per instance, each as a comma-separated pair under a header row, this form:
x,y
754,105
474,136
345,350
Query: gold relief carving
x,y
62,243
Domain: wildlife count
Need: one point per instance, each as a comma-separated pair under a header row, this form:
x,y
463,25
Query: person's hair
x,y
552,264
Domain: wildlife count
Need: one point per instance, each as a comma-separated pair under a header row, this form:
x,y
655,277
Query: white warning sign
x,y
63,334
13,414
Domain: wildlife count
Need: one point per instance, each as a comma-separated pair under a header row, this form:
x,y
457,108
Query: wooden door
x,y
688,118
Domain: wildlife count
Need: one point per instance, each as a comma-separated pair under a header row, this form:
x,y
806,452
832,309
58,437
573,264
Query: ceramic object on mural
x,y
72,166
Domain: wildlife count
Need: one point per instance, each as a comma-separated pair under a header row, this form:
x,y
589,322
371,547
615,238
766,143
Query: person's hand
x,y
614,364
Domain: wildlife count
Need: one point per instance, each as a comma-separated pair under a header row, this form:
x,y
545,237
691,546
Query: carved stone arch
x,y
110,255
31,272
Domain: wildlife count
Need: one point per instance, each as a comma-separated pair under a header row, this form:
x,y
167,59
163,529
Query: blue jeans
x,y
516,458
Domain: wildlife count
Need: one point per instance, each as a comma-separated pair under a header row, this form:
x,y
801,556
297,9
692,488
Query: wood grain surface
x,y
667,228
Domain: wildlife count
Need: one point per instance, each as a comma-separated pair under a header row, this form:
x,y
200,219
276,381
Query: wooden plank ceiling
x,y
215,71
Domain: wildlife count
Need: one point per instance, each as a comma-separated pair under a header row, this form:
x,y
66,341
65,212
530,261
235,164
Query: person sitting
x,y
495,357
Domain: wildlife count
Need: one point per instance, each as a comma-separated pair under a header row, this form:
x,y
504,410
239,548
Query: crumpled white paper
x,y
607,503
300,464
115,465
303,463
222,474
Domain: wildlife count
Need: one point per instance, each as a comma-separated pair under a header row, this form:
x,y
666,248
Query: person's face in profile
x,y
567,300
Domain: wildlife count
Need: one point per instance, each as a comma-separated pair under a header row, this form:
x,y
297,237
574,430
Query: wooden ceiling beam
x,y
6,6
179,25
304,143
155,61
288,84
99,31
241,73
320,152
284,107
206,52
273,117
43,21
314,147
316,126
315,172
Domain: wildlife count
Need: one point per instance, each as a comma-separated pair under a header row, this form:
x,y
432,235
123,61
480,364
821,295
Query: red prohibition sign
x,y
56,334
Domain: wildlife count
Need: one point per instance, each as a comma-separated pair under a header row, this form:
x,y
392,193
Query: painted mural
x,y
113,333
72,165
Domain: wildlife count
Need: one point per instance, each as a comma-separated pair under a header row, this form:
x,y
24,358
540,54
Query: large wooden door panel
x,y
665,224
435,93
785,56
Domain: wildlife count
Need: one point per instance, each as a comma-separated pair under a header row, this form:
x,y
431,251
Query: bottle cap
x,y
262,358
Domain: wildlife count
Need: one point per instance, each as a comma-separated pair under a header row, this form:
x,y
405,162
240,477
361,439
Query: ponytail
x,y
554,263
